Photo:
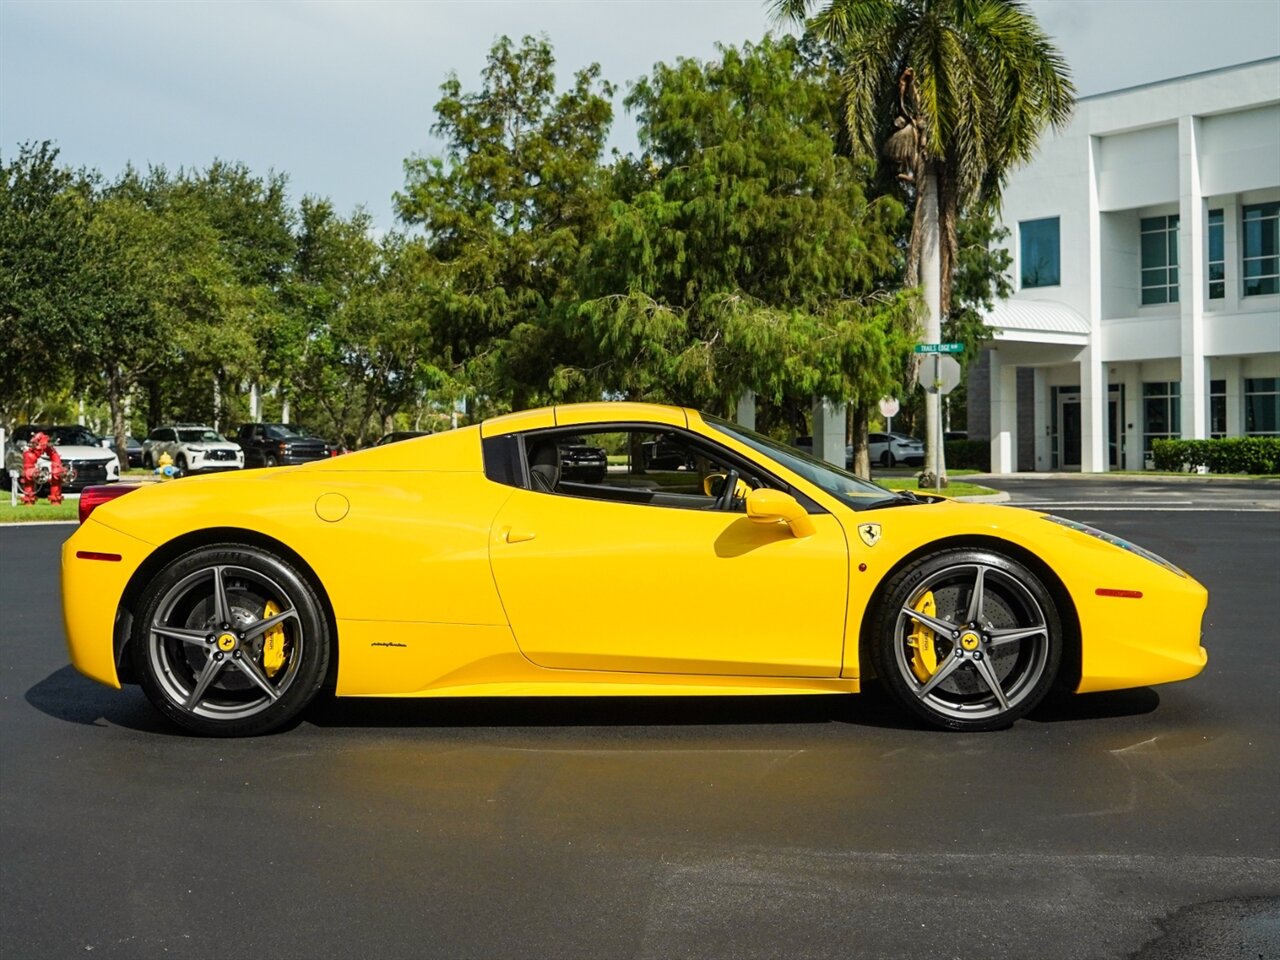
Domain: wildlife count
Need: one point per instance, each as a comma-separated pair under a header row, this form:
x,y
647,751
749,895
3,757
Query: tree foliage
x,y
744,248
740,251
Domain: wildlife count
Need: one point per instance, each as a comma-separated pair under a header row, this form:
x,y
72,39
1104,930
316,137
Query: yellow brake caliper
x,y
924,661
272,642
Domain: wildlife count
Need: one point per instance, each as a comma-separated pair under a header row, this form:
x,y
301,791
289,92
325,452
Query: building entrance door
x,y
1069,431
1115,426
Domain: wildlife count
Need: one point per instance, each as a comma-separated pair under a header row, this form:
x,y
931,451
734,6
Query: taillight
x,y
93,497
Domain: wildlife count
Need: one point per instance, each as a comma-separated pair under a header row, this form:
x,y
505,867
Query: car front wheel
x,y
967,639
230,641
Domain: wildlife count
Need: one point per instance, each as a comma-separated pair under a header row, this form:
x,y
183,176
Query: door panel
x,y
598,585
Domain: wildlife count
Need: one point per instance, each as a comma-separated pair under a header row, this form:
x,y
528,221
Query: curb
x,y
39,523
1122,477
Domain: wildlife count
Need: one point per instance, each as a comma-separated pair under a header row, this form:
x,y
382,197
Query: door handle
x,y
517,536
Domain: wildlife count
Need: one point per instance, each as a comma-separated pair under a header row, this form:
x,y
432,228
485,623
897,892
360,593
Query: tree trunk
x,y
935,470
861,451
115,403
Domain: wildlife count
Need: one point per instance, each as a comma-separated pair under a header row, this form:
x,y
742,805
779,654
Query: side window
x,y
664,468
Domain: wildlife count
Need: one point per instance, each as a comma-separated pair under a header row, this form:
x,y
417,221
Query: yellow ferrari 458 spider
x,y
603,548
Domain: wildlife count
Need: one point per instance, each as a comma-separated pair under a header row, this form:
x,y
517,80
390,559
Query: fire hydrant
x,y
165,469
38,447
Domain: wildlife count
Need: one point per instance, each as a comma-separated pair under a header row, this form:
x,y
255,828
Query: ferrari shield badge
x,y
870,533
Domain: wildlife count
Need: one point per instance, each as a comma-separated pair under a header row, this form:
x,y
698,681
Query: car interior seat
x,y
544,466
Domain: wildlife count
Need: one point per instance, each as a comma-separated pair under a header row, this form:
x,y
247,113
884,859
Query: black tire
x,y
220,687
985,670
147,463
181,465
271,460
887,459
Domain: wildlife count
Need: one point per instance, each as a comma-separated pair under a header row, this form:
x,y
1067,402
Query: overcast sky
x,y
337,94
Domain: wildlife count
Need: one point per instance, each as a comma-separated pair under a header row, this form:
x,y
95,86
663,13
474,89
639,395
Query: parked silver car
x,y
194,449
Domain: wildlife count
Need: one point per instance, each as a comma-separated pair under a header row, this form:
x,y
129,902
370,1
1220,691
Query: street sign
x,y
889,407
939,374
939,348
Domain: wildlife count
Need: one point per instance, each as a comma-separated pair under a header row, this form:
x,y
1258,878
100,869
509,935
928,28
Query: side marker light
x,y
92,555
1125,594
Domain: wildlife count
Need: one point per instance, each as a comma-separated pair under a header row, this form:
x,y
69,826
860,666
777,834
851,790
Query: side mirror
x,y
774,506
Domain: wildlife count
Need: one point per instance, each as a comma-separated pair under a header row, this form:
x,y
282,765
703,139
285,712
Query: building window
x,y
1262,406
1161,412
1160,259
1040,252
1261,249
1217,408
1217,257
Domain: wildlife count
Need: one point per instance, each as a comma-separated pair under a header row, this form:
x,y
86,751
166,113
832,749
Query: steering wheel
x,y
727,492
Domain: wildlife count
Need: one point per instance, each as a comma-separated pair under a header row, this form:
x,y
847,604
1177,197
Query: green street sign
x,y
939,348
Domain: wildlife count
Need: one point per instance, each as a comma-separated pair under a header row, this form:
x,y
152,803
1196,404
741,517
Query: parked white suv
x,y
193,447
890,449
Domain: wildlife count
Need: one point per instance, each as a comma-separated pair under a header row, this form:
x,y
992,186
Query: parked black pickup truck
x,y
278,445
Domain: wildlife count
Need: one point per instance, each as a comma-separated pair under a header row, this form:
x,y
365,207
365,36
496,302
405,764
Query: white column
x,y
1132,374
1093,412
1191,282
255,402
1041,418
1004,412
828,430
746,413
1093,371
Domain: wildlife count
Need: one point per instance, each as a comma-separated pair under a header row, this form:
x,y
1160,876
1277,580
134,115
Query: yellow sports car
x,y
706,560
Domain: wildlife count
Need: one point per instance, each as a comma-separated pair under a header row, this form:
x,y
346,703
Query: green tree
x,y
742,253
959,92
44,213
505,211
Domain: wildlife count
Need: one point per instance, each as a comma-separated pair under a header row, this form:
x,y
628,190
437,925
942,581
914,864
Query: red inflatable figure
x,y
38,447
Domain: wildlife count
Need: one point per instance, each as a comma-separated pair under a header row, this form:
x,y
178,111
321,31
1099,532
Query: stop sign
x,y
938,373
889,407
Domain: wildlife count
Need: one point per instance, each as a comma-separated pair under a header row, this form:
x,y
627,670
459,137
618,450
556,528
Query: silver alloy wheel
x,y
991,641
205,642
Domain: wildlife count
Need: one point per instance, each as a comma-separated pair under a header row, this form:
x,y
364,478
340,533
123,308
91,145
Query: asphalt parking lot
x,y
1135,823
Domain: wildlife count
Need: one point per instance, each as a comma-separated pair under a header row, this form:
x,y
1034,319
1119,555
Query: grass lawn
x,y
957,488
67,510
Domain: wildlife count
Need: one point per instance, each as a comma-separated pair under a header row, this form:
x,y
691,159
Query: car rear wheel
x,y
967,639
230,641
887,459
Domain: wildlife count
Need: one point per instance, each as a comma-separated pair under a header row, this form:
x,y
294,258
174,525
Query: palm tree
x,y
957,92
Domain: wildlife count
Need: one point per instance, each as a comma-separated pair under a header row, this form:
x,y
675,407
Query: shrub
x,y
968,455
1224,455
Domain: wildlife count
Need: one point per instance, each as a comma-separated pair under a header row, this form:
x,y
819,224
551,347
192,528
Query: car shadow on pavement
x,y
66,695
1095,706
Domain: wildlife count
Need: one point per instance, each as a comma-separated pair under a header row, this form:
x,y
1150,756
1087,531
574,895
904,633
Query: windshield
x,y
279,431
841,484
199,435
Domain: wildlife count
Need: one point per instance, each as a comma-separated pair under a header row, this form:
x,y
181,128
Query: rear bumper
x,y
91,593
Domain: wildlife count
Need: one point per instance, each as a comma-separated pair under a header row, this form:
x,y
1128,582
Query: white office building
x,y
1146,245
